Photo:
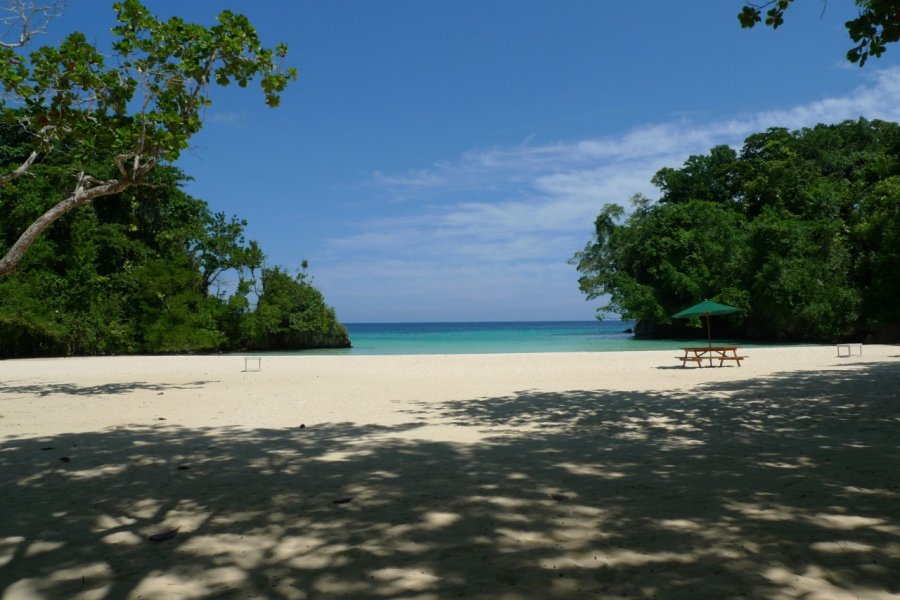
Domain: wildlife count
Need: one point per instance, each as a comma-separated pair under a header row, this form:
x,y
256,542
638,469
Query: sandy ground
x,y
529,476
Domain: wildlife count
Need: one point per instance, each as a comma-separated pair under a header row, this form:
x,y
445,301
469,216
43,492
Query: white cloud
x,y
226,118
510,217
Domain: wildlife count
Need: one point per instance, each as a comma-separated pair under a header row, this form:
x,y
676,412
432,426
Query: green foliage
x,y
800,229
877,237
667,255
877,25
291,313
162,68
801,277
711,177
174,314
224,248
138,111
133,273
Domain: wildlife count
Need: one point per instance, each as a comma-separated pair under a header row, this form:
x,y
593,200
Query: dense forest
x,y
148,270
800,229
101,251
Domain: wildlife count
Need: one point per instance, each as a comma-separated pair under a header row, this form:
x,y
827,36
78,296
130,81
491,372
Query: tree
x,y
876,234
224,248
114,277
800,228
877,25
291,313
143,111
799,278
664,255
132,274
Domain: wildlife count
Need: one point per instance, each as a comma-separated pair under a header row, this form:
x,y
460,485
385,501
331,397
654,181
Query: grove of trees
x,y
147,270
801,229
138,108
101,251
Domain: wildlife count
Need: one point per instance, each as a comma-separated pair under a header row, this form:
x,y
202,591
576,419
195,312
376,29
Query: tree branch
x,y
44,136
86,190
28,19
20,170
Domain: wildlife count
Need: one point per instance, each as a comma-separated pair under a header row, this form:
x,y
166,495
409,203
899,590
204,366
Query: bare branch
x,y
44,135
120,164
20,170
152,186
26,19
203,82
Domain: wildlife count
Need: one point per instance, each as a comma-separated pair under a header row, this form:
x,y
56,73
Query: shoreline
x,y
347,352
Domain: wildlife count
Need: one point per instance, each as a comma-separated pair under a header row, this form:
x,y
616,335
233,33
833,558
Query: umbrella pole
x,y
709,339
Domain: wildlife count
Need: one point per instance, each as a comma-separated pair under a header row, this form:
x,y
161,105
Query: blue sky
x,y
441,161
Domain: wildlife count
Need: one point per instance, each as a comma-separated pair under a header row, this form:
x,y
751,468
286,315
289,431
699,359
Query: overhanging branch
x,y
86,190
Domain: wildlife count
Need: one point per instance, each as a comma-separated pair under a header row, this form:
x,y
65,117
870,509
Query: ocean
x,y
494,338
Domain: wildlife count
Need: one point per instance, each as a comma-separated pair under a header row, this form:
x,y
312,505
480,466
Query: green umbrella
x,y
705,309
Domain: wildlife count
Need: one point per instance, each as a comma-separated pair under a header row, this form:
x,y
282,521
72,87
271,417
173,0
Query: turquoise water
x,y
494,338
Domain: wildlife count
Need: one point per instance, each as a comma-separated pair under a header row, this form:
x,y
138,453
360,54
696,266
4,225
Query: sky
x,y
443,160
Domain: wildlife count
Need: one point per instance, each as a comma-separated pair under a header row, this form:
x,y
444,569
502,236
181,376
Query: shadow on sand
x,y
779,487
10,388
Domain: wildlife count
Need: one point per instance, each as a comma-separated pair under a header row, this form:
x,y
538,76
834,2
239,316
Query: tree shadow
x,y
781,486
106,389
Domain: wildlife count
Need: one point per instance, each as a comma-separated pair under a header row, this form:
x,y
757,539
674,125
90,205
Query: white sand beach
x,y
516,476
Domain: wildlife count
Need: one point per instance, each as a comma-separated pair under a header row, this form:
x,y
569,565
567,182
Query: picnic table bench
x,y
710,353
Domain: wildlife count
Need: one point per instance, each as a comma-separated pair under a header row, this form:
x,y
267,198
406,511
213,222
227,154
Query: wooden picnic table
x,y
711,353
